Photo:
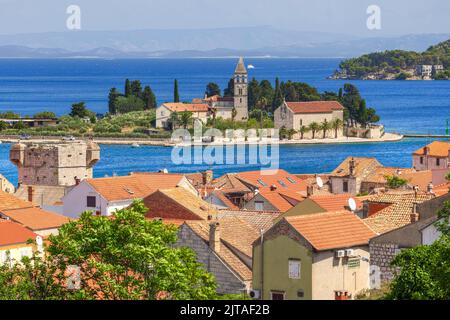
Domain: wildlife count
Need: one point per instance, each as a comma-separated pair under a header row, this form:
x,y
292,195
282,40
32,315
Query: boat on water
x,y
250,66
135,145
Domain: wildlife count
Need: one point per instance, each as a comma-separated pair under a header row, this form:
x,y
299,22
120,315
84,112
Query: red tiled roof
x,y
9,201
314,106
332,230
36,218
14,233
134,186
436,149
335,202
264,179
191,107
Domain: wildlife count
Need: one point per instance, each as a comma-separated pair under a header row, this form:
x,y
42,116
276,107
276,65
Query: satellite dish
x,y
352,204
256,191
165,170
319,182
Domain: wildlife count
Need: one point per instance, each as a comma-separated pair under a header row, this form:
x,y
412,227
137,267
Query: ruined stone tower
x,y
54,164
241,90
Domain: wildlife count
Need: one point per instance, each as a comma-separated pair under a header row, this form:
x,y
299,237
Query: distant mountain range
x,y
226,42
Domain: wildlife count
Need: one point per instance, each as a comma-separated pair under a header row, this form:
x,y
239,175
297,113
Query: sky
x,y
398,17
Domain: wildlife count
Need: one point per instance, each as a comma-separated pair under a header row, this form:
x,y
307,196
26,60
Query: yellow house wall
x,y
330,274
15,251
277,253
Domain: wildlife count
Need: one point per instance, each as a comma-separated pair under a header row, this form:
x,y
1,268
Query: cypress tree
x,y
149,98
128,91
278,97
113,95
176,95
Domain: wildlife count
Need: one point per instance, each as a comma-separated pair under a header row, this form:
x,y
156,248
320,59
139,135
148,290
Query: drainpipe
x,y
262,263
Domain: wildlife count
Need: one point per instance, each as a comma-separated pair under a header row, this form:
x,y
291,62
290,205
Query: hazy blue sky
x,y
343,16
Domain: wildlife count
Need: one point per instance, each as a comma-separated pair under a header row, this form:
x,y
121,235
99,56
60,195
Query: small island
x,y
432,64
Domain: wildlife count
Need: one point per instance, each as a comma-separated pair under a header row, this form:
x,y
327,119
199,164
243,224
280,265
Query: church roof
x,y
240,68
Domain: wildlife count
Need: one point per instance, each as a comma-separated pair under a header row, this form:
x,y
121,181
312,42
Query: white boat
x,y
135,145
250,66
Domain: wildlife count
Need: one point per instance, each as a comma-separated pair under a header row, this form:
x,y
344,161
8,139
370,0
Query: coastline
x,y
387,137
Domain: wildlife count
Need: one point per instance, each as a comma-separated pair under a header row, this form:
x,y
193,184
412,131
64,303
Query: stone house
x,y
293,115
199,111
384,247
433,156
320,256
349,175
224,247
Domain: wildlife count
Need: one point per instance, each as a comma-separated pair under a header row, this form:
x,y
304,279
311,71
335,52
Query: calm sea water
x,y
29,86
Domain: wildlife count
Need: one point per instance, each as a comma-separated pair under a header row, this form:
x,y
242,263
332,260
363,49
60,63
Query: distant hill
x,y
223,42
398,65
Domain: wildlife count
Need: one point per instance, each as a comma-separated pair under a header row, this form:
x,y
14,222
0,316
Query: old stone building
x,y
46,171
215,106
224,248
294,115
434,156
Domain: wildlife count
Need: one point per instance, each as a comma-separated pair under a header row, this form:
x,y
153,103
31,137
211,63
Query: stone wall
x,y
381,255
227,281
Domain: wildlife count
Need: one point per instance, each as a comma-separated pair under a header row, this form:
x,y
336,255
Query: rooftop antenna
x,y
40,243
319,182
352,204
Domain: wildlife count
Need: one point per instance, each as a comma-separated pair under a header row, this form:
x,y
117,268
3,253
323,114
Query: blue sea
x,y
28,86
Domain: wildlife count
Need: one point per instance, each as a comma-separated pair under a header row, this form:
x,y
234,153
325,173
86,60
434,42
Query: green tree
x,y
112,97
129,104
325,126
395,182
229,90
314,127
336,125
303,130
212,89
9,115
233,114
254,93
185,119
176,94
174,120
79,110
128,90
149,98
3,125
45,115
136,88
278,96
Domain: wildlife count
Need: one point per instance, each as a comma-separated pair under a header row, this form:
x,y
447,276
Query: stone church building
x,y
204,108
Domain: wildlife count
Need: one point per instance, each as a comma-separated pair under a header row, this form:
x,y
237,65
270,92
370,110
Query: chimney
x,y
214,236
414,215
30,193
77,180
430,188
426,150
207,177
351,166
309,191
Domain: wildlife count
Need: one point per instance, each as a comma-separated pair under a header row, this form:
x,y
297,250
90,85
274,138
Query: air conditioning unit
x,y
349,252
340,253
255,294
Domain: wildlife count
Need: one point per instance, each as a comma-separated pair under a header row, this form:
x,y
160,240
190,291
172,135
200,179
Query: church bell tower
x,y
241,91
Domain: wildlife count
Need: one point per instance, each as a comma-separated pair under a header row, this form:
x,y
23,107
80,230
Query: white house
x,y
106,195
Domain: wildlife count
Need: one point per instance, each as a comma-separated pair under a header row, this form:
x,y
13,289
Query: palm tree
x,y
174,120
233,114
291,133
213,111
186,118
325,126
303,130
336,124
314,127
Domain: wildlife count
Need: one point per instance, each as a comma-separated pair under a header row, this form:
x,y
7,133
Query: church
x,y
208,107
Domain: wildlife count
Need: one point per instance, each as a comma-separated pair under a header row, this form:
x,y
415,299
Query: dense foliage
x,y
134,98
122,257
398,62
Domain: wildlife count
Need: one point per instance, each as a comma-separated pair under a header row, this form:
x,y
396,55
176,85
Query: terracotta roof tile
x,y
36,218
9,201
436,149
191,107
14,233
314,106
258,219
398,211
283,200
335,202
134,186
222,197
177,203
363,167
332,230
264,179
